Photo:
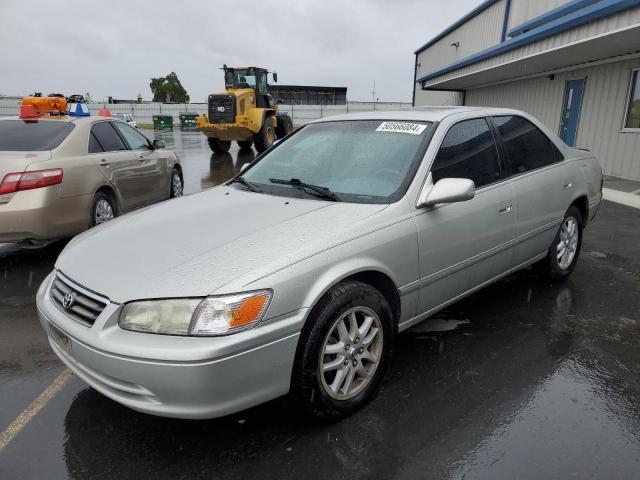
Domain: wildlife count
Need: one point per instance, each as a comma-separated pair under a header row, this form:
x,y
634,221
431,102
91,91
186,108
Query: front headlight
x,y
215,315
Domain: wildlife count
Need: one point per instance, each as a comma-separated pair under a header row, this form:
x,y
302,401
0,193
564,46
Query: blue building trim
x,y
505,21
592,13
476,11
551,15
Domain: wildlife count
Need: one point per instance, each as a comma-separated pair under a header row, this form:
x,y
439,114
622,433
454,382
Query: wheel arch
x,y
109,190
582,204
377,277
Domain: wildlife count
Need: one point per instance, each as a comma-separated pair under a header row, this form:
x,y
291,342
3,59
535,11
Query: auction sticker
x,y
401,127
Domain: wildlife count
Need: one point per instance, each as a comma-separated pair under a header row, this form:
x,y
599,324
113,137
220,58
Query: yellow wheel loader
x,y
244,113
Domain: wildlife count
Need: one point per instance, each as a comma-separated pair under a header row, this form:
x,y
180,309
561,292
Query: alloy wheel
x,y
351,353
103,211
176,185
566,248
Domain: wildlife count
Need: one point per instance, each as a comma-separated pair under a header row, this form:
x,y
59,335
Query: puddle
x,y
438,325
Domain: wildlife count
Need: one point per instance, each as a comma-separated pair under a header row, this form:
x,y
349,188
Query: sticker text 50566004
x,y
401,127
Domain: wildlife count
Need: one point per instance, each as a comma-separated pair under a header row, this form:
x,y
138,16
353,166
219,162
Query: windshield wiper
x,y
297,183
251,186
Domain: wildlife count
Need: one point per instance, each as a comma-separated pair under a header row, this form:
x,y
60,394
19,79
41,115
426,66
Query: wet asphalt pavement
x,y
525,379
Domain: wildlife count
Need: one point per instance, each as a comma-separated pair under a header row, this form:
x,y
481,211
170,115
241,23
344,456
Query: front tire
x,y
219,146
177,185
343,351
565,249
265,137
103,209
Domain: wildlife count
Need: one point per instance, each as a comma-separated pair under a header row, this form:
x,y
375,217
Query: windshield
x,y
366,161
240,79
30,136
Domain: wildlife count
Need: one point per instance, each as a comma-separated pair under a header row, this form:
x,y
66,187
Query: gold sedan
x,y
60,175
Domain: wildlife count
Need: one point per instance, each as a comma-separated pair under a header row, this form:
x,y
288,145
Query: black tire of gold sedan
x,y
265,137
219,146
103,208
564,251
339,364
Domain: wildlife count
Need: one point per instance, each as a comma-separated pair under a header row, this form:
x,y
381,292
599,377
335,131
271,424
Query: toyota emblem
x,y
67,300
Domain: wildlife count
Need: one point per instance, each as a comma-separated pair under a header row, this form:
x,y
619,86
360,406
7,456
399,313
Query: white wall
x,y
479,33
603,110
524,10
625,19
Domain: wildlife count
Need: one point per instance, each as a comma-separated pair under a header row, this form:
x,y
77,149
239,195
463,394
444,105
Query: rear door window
x,y
468,151
108,137
33,135
94,144
526,146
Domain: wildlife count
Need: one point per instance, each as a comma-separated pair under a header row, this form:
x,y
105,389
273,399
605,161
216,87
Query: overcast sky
x,y
114,47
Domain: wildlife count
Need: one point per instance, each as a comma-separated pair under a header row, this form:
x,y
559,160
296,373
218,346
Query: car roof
x,y
428,114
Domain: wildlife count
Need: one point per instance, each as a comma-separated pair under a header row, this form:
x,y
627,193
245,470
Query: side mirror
x,y
447,190
275,77
158,144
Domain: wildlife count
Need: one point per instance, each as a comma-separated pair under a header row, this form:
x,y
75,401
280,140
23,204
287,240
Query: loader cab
x,y
250,77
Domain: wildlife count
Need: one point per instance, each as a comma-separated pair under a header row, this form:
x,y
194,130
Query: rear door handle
x,y
506,210
104,163
567,186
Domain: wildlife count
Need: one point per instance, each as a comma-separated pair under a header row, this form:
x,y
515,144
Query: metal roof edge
x,y
547,17
589,14
473,13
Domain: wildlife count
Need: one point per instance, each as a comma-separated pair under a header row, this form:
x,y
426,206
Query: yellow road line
x,y
32,410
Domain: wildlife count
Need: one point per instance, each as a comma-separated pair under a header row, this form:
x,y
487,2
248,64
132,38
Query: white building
x,y
575,65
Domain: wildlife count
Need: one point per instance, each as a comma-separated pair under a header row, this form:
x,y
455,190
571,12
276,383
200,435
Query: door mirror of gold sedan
x,y
158,144
447,190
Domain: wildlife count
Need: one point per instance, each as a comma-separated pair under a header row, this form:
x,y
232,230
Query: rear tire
x,y
565,249
245,143
330,355
103,208
219,146
266,136
285,126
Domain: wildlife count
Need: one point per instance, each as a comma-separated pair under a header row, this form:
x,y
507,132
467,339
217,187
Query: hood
x,y
195,245
13,162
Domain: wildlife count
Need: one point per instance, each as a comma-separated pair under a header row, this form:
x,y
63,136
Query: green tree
x,y
168,89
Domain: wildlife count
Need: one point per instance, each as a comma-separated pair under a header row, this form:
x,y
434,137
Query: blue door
x,y
571,111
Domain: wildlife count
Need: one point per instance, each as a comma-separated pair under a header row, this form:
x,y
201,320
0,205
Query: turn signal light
x,y
15,182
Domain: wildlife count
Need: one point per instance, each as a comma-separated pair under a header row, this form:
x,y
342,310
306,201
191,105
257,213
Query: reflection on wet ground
x,y
202,168
525,379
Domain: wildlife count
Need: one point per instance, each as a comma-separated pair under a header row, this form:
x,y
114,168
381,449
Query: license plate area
x,y
60,338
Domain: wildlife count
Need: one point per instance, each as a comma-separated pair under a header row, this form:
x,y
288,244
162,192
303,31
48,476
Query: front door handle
x,y
506,210
141,158
104,163
567,186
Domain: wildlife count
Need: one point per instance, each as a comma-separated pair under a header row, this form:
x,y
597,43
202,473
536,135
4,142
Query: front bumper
x,y
179,377
41,214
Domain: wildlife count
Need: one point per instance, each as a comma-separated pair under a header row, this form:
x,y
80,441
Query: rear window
x,y
29,136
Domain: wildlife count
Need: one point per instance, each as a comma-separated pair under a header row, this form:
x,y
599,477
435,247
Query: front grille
x,y
222,108
82,305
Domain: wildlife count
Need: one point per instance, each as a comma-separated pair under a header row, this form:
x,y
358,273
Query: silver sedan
x,y
296,275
